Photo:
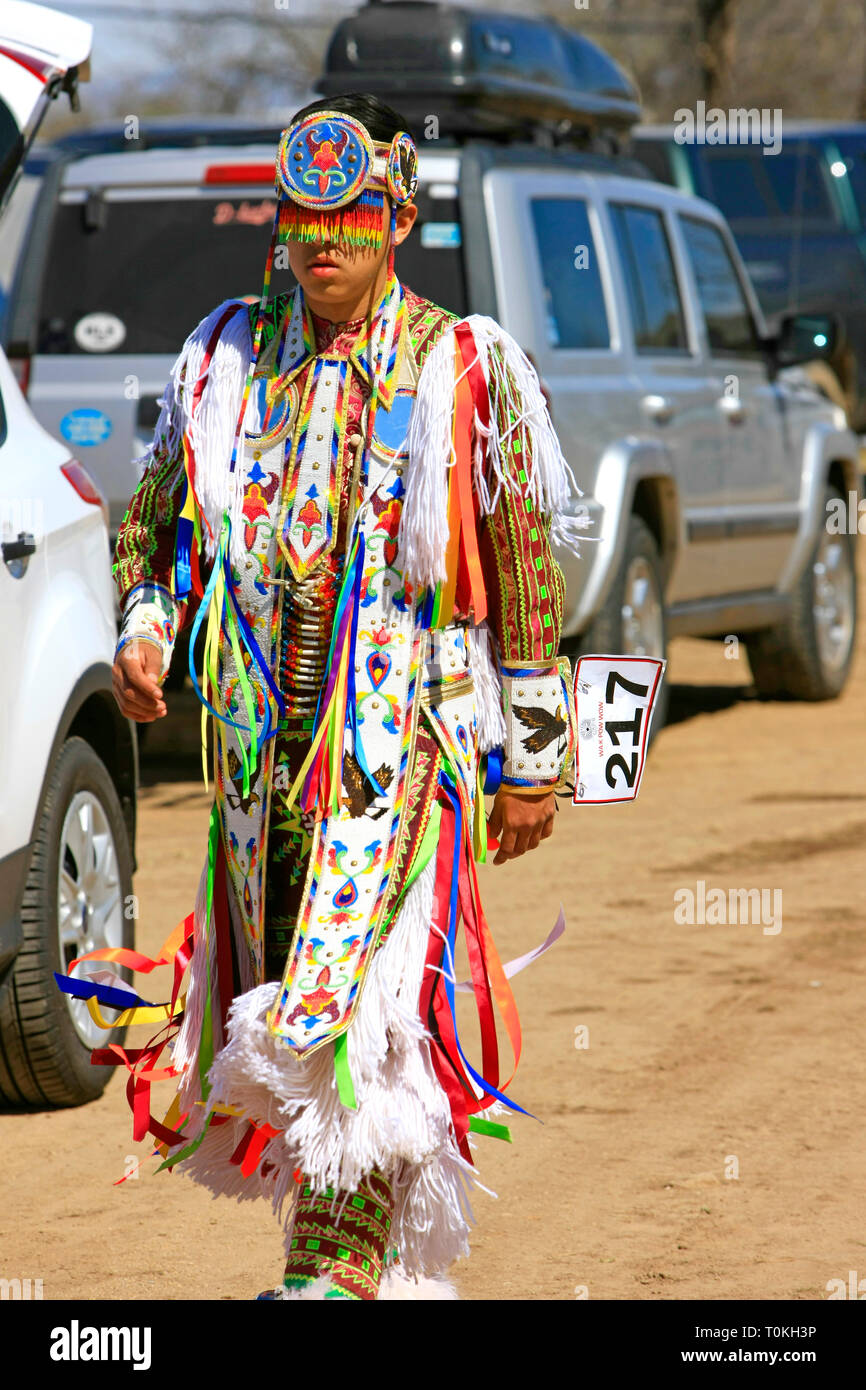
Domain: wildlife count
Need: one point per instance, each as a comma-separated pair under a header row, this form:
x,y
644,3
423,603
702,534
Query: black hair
x,y
382,121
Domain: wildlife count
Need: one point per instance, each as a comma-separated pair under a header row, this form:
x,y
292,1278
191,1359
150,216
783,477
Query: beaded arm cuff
x,y
539,717
150,613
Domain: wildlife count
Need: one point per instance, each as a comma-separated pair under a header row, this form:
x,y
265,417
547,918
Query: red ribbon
x,y
481,986
432,1003
140,1065
141,1062
471,395
251,1147
488,979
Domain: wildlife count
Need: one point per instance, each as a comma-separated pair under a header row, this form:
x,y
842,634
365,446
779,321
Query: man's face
x,y
334,274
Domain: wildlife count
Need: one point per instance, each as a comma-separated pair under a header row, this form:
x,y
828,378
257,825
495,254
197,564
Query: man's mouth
x,y
322,265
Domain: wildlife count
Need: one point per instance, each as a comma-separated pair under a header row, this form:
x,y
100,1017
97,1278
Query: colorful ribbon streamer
x,y
463,586
456,895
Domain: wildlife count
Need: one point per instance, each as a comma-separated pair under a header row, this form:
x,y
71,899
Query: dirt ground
x,y
706,1143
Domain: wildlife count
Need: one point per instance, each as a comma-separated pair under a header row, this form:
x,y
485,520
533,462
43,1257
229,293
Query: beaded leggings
x,y
349,1250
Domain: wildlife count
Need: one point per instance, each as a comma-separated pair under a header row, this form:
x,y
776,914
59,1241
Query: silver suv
x,y
707,469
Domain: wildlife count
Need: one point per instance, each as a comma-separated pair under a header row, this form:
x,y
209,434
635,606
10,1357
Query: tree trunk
x,y
715,50
861,95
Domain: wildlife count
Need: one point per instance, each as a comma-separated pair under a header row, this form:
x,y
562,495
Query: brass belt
x,y
307,628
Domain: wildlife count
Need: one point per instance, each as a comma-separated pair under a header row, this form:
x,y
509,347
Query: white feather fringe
x,y
395,1284
423,532
311,1293
514,387
402,1126
492,730
212,429
185,1047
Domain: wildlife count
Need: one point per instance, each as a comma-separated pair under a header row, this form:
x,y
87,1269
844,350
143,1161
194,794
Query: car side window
x,y
650,279
573,294
730,328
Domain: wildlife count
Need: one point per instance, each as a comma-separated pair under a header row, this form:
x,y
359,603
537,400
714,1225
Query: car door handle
x,y
658,408
732,408
20,548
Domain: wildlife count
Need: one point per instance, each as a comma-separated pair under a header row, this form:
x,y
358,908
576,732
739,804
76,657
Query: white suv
x,y
68,759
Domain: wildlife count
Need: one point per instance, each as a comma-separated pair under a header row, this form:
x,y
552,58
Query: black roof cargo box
x,y
480,73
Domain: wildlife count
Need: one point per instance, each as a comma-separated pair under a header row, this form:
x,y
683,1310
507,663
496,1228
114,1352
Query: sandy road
x,y
713,1050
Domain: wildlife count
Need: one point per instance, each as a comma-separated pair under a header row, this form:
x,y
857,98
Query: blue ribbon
x,y
248,640
203,608
493,764
351,693
427,608
183,548
105,994
256,654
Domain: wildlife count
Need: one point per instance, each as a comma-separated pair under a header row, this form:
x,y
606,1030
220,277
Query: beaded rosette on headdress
x,y
332,178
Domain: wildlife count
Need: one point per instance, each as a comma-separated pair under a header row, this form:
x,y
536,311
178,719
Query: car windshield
x,y
153,267
746,183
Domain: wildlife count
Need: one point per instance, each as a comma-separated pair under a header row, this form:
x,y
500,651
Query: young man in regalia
x,y
354,493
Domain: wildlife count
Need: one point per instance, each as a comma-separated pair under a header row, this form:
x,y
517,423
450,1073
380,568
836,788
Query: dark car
x,y
799,218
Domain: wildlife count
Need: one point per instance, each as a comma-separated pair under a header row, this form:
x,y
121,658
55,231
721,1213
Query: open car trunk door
x,y
42,52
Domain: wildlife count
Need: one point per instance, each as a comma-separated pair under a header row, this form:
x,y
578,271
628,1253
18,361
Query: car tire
x,y
632,620
44,1061
808,655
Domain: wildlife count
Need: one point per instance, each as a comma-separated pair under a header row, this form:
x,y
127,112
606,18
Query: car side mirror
x,y
804,337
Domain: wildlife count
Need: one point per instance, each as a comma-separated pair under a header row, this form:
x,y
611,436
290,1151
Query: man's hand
x,y
520,822
135,680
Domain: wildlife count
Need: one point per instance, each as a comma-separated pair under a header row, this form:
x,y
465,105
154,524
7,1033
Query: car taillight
x,y
21,372
76,474
240,173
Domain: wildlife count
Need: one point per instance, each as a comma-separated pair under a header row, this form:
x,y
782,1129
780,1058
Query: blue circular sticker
x,y
85,427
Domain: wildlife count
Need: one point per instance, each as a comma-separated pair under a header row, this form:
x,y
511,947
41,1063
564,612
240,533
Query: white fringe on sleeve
x,y
492,729
212,430
513,384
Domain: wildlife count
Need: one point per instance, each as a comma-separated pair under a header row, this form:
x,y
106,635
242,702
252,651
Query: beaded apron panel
x,y
353,855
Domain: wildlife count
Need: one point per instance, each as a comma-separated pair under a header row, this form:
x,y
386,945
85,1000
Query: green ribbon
x,y
479,1126
479,828
246,691
190,1148
345,1084
437,605
428,845
206,1046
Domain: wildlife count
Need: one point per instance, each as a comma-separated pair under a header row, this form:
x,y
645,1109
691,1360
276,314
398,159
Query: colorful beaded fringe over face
x,y
332,178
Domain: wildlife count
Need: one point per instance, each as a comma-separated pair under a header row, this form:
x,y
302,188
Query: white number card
x,y
614,697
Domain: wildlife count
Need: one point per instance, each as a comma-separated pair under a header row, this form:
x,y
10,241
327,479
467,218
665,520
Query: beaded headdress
x,y
332,178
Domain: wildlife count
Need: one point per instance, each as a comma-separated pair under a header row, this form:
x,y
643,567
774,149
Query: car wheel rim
x,y
90,910
833,601
642,615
